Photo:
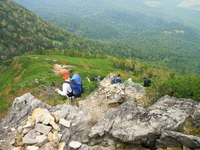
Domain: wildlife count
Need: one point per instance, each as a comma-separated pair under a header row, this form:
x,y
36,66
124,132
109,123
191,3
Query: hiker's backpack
x,y
76,85
149,82
117,80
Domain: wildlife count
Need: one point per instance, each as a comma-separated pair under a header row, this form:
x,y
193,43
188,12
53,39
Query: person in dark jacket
x,y
147,82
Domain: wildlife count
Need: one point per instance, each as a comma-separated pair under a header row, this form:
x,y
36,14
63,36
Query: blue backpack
x,y
117,80
76,85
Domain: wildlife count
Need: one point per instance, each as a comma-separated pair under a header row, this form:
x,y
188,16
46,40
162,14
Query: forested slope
x,y
173,45
24,32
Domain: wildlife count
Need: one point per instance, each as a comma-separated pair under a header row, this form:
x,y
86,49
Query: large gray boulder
x,y
131,123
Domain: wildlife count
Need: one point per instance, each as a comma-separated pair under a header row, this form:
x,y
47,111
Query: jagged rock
x,y
29,140
108,80
129,88
43,128
168,137
60,114
81,122
55,126
22,108
133,90
64,122
134,124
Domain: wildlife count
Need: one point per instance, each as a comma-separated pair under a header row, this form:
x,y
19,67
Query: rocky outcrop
x,y
33,125
108,95
39,125
134,124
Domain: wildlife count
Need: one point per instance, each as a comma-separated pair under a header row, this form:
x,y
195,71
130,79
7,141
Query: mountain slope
x,y
24,32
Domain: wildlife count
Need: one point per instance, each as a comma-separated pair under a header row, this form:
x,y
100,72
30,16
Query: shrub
x,y
180,87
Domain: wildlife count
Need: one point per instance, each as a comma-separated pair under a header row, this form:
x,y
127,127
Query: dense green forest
x,y
170,46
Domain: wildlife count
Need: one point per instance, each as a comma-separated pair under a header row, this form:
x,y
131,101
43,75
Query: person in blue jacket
x,y
117,79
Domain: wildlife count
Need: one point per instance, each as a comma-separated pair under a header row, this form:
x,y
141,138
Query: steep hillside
x,y
24,32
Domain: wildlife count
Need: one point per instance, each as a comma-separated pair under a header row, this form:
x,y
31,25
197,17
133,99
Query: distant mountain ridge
x,y
166,10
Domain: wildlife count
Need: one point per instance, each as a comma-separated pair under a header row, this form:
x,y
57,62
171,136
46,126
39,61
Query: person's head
x,y
118,75
144,78
64,73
